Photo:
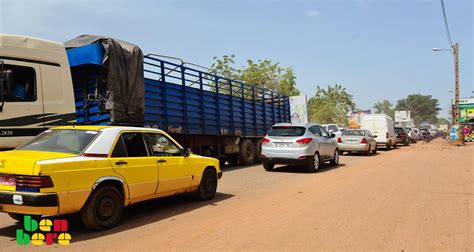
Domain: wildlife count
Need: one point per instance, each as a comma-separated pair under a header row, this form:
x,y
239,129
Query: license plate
x,y
282,145
351,140
7,180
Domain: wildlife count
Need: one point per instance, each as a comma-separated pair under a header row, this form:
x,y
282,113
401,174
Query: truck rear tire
x,y
258,150
247,152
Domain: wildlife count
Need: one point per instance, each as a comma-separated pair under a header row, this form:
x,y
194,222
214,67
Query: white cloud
x,y
313,13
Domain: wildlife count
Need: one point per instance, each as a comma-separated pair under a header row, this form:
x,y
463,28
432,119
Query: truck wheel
x,y
247,152
208,186
258,150
268,166
314,163
103,209
389,146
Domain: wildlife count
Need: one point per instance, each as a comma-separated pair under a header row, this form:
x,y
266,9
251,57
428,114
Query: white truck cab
x,y
35,88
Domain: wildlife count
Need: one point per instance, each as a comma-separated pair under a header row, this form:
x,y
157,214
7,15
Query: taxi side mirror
x,y
186,152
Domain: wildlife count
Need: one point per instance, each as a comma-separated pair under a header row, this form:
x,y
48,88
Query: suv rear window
x,y
286,131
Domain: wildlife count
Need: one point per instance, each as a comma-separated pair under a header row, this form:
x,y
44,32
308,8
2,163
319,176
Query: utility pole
x,y
456,94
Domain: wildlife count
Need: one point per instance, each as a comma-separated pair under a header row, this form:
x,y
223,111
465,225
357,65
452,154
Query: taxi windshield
x,y
61,140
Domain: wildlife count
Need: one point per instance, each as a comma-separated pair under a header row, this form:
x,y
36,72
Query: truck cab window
x,y
23,86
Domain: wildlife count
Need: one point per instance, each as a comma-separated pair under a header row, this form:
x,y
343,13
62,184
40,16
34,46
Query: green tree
x,y
225,67
384,107
288,83
330,105
262,73
423,108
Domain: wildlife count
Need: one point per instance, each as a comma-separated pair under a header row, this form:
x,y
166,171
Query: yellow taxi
x,y
98,170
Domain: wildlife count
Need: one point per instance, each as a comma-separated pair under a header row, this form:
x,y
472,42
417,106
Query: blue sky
x,y
376,49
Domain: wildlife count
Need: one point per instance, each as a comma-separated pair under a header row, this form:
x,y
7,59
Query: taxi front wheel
x,y
103,209
208,186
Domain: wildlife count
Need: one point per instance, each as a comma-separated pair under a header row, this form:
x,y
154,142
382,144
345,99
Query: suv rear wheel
x,y
313,165
335,160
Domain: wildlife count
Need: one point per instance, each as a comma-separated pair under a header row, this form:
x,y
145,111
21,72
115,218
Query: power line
x,y
446,24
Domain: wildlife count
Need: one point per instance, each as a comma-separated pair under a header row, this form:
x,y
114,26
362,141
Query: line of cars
x,y
312,144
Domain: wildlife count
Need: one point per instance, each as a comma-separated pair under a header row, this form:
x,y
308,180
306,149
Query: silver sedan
x,y
357,140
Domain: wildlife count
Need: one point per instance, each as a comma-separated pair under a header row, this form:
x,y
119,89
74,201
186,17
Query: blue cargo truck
x,y
212,115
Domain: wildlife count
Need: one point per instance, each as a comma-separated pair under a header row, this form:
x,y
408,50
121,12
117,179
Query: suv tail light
x,y
265,140
304,140
339,140
363,141
33,181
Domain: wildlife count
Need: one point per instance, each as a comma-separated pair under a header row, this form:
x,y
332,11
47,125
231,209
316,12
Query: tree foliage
x,y
262,73
330,105
384,107
424,108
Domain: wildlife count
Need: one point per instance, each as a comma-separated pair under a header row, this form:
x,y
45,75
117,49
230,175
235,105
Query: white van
x,y
383,127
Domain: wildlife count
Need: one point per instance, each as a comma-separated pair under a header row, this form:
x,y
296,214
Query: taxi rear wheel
x,y
103,209
208,186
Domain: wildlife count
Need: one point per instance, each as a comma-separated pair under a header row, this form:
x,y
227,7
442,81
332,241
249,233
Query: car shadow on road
x,y
358,154
134,216
303,169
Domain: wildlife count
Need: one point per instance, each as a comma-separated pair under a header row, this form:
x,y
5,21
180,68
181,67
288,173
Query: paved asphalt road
x,y
413,198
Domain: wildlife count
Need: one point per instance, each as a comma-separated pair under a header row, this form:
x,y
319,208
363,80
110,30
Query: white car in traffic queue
x,y
333,128
357,140
299,144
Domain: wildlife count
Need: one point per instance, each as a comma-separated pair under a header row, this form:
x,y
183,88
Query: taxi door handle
x,y
121,163
161,161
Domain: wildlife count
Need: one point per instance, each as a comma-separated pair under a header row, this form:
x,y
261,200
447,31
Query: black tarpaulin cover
x,y
122,77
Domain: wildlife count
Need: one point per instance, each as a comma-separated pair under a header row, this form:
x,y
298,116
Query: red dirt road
x,y
413,198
